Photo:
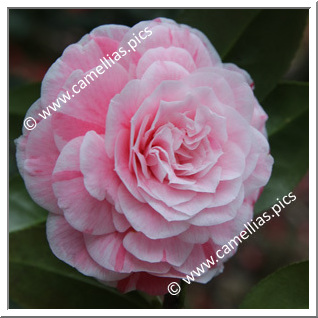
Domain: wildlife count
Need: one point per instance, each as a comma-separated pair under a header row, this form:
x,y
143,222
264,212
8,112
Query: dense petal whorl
x,y
155,165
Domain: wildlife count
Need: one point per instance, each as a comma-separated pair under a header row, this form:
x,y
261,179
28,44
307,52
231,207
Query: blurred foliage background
x,y
272,45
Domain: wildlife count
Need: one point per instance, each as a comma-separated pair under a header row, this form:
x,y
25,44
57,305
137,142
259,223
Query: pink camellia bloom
x,y
153,166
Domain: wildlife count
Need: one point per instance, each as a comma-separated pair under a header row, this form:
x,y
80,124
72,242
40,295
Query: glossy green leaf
x,y
288,128
21,98
23,211
287,102
39,280
268,45
288,288
222,26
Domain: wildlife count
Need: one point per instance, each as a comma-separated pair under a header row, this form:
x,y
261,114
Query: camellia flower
x,y
153,166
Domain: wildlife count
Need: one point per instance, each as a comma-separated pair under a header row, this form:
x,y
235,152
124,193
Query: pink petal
x,y
68,245
109,252
84,56
209,77
81,210
259,146
170,250
199,254
239,131
146,220
161,71
218,215
232,162
111,31
120,222
199,202
91,103
122,150
74,57
235,68
75,128
36,160
240,82
173,54
195,234
226,192
169,213
223,233
99,177
259,118
121,109
166,33
260,175
163,191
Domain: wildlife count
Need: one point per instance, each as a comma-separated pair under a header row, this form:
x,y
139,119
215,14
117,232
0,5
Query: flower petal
x,y
81,210
170,250
146,220
68,245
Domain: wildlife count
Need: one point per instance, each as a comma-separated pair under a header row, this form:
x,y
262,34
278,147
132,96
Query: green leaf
x,y
23,211
39,280
267,46
287,102
288,288
21,99
222,26
288,128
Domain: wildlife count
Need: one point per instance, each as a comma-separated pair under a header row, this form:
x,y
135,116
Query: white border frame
x,y
312,165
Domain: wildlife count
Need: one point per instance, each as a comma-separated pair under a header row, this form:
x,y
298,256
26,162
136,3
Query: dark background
x,y
38,37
